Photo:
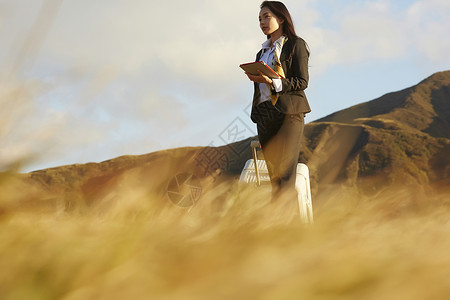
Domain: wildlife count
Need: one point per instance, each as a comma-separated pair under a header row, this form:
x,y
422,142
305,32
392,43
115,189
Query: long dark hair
x,y
282,13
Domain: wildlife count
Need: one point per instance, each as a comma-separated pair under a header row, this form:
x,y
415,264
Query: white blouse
x,y
268,52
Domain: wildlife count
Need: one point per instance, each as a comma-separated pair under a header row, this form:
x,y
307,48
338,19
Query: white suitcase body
x,y
302,184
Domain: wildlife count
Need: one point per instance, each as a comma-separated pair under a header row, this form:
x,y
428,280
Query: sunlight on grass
x,y
385,247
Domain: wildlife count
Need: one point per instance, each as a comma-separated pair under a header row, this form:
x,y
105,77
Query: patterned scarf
x,y
276,64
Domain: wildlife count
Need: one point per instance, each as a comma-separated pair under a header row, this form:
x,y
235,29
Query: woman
x,y
279,105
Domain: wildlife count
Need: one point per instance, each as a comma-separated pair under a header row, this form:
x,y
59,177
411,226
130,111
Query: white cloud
x,y
429,25
120,72
24,128
377,30
184,38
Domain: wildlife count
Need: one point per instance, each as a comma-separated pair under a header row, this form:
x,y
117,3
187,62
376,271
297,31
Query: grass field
x,y
388,246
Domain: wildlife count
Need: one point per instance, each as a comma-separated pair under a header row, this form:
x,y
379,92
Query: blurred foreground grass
x,y
385,247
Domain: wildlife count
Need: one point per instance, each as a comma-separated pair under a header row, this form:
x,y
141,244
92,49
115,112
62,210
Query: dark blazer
x,y
294,60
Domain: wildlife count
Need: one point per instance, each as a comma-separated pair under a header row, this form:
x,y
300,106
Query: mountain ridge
x,y
414,106
400,138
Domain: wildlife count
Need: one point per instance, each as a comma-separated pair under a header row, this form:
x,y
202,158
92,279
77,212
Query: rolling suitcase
x,y
258,173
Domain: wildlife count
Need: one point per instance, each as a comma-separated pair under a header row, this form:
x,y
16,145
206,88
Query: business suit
x,y
280,127
294,60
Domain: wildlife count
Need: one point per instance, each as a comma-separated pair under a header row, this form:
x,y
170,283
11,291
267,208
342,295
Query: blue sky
x,y
86,81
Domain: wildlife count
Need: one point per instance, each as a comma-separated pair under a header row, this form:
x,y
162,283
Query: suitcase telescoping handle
x,y
254,145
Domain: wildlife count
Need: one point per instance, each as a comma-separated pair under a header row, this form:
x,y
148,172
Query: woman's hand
x,y
261,78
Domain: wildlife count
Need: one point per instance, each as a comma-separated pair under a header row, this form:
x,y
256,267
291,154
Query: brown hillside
x,y
425,106
401,138
371,158
83,185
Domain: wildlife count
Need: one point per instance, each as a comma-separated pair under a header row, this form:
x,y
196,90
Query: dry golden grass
x,y
231,245
388,246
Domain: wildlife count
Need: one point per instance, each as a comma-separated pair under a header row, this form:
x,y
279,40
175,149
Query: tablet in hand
x,y
253,68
